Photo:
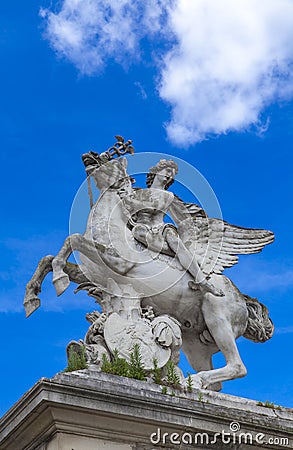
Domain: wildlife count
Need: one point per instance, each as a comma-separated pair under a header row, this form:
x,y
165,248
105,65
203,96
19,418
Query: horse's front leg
x,y
61,279
33,287
73,242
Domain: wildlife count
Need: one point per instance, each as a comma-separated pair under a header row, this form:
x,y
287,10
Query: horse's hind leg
x,y
199,356
219,325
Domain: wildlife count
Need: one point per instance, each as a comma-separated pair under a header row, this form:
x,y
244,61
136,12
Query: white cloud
x,y
232,59
284,330
257,276
89,32
227,60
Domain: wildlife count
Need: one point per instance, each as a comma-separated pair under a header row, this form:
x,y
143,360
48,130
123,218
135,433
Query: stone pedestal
x,y
91,411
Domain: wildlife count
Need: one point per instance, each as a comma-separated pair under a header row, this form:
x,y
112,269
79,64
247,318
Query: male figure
x,y
148,208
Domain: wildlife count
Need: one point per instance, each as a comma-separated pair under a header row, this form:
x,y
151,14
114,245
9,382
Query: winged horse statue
x,y
177,270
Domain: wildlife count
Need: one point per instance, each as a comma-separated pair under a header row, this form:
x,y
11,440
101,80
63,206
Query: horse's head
x,y
106,174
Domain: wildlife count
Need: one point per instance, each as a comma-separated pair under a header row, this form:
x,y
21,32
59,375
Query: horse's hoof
x,y
218,292
217,387
193,285
211,289
31,303
61,284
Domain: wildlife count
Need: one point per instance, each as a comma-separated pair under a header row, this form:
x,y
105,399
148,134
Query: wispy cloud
x,y
89,32
141,90
223,63
21,258
260,276
284,330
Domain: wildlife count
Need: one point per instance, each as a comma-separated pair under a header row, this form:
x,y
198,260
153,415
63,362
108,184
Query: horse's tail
x,y
259,328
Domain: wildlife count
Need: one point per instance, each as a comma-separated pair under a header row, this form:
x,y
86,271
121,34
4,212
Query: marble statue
x,y
150,207
124,323
158,284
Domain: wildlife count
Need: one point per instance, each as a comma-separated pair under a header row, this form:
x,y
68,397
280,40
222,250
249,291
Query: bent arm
x,y
178,212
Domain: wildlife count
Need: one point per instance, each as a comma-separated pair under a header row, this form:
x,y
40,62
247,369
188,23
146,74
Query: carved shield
x,y
122,334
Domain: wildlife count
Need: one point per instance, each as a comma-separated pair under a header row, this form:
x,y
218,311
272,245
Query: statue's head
x,y
106,173
168,167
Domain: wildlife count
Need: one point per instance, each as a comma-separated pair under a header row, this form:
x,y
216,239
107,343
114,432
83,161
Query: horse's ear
x,y
124,162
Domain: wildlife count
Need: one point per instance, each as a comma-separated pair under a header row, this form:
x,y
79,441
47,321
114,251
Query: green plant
x,y
173,379
200,397
136,369
106,364
76,360
164,390
189,383
156,372
118,366
268,404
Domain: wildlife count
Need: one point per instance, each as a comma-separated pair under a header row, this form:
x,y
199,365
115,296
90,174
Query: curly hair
x,y
162,164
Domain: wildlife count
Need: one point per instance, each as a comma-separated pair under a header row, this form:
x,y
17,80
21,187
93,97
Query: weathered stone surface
x,y
91,410
133,261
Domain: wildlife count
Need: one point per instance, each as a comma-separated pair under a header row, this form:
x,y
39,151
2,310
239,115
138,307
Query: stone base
x,y
89,410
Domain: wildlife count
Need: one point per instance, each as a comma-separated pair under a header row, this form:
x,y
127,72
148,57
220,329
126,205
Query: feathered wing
x,y
217,243
181,211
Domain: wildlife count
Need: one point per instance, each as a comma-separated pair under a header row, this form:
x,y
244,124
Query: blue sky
x,y
68,86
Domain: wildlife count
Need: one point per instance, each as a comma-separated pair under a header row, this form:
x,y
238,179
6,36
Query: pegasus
x,y
109,250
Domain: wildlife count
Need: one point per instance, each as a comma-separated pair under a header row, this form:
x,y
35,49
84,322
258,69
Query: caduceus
x,y
92,160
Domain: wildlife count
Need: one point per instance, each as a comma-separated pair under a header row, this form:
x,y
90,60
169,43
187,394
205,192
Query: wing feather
x,y
217,243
